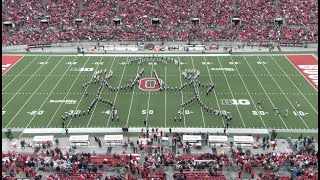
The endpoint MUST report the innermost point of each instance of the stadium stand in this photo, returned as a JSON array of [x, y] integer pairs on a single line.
[[299, 12], [257, 20]]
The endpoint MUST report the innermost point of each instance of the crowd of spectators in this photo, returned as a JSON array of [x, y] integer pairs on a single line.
[[71, 164], [174, 15], [299, 12], [98, 12], [256, 12], [215, 12], [24, 14]]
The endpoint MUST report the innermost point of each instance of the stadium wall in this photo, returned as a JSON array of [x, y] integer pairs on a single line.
[[22, 48]]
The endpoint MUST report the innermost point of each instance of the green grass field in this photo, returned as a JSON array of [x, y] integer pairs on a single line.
[[31, 91]]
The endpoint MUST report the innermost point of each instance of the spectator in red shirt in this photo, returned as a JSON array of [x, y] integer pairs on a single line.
[[239, 173]]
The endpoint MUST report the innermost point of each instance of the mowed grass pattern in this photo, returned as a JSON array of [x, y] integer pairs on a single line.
[[270, 79]]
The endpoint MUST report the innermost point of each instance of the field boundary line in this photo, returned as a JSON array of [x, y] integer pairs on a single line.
[[115, 98], [134, 88], [25, 83], [19, 72], [204, 124], [284, 94], [68, 92], [265, 92], [14, 65], [182, 54], [183, 111], [214, 91], [295, 85], [33, 92], [48, 97], [165, 130], [254, 104], [231, 92], [301, 73]]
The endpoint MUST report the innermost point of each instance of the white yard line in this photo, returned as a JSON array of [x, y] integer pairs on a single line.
[[265, 92], [134, 88], [19, 72], [204, 124], [301, 73], [149, 98], [33, 93], [14, 65], [94, 108], [165, 96], [284, 95], [183, 112], [68, 92], [214, 91], [49, 96], [24, 84], [254, 104], [231, 92], [115, 98], [294, 85]]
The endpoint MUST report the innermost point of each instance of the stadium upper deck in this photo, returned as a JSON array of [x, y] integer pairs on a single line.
[[256, 20]]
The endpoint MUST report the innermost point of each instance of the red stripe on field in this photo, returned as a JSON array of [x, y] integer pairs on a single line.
[[8, 62], [307, 66]]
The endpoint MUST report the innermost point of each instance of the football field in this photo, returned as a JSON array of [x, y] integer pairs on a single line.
[[37, 90]]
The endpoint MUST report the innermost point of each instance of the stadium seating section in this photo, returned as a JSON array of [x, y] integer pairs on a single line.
[[257, 20]]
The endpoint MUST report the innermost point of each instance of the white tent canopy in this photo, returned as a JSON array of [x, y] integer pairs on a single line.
[[113, 138], [243, 139], [43, 138], [191, 138], [79, 138], [218, 139]]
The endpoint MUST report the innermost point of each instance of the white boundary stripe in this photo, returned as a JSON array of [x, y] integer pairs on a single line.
[[25, 83], [183, 111], [147, 115], [254, 104], [33, 93], [295, 85], [165, 96], [164, 54], [214, 91], [315, 56], [300, 73], [284, 94], [115, 98], [134, 88], [48, 98], [14, 65], [204, 124], [19, 72], [265, 92], [231, 93], [68, 92]]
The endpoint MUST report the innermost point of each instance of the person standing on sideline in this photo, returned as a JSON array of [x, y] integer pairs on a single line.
[[169, 129]]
